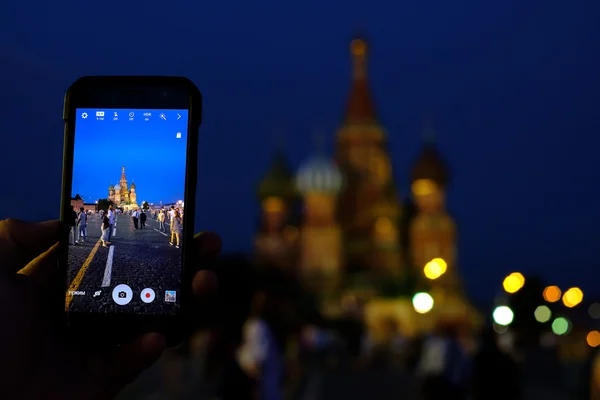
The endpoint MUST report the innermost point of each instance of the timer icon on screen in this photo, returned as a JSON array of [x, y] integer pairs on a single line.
[[148, 295]]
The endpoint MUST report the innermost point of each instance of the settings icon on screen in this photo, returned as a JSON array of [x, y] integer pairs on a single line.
[[84, 115]]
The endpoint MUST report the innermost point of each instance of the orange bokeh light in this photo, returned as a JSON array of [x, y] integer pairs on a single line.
[[552, 294], [593, 339]]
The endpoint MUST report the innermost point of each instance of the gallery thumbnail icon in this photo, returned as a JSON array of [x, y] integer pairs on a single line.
[[170, 296]]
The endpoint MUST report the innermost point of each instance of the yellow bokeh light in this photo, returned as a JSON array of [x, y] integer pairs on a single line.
[[572, 297], [435, 268], [273, 205], [358, 47], [423, 187], [513, 283], [552, 294], [593, 339]]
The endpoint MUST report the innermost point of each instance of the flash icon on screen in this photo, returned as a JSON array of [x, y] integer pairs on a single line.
[[178, 135]]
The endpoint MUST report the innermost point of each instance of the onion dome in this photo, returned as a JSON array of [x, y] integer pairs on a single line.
[[117, 187], [132, 185], [319, 175], [111, 187], [430, 166], [278, 180]]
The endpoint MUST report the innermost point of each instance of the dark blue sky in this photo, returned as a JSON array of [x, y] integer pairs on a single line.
[[513, 88], [153, 156]]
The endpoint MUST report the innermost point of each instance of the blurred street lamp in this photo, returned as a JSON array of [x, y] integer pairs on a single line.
[[513, 282], [435, 268], [552, 294], [503, 315], [572, 297], [422, 302]]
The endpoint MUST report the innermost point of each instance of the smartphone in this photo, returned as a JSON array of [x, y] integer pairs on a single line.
[[129, 185]]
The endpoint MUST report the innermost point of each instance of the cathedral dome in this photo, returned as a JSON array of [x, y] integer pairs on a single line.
[[278, 180], [117, 187], [319, 175], [132, 185], [111, 187], [430, 166]]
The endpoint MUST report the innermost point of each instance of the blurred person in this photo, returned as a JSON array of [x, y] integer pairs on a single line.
[[39, 364], [176, 228], [105, 230], [261, 353], [161, 221], [495, 373], [111, 220], [143, 218], [82, 224], [72, 226], [135, 216], [443, 367]]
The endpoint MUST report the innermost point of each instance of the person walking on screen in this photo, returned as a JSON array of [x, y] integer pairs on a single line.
[[73, 227], [82, 223], [143, 219], [161, 221], [106, 228], [135, 218], [176, 229], [111, 221]]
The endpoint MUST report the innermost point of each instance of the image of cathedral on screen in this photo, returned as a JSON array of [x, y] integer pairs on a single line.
[[340, 225], [122, 196]]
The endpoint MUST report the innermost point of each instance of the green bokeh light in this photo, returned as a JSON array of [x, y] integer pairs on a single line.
[[542, 314], [560, 326]]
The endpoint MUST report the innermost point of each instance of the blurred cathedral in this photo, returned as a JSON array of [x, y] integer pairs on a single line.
[[121, 196], [341, 227]]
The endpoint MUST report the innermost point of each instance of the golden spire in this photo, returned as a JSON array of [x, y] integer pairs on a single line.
[[360, 108]]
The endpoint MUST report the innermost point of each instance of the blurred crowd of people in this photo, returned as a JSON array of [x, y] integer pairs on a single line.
[[265, 343]]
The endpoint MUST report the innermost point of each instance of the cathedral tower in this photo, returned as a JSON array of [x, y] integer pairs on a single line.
[[276, 239], [432, 231], [369, 208], [319, 182]]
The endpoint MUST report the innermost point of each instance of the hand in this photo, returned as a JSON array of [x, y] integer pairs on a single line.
[[34, 364]]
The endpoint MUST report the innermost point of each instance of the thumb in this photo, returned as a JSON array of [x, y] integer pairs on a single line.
[[43, 269]]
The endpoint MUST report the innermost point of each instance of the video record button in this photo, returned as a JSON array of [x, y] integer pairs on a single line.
[[122, 294], [148, 295]]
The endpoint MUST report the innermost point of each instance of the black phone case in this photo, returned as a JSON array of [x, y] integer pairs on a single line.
[[130, 325]]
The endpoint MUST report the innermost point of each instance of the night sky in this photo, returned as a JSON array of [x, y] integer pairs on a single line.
[[513, 90]]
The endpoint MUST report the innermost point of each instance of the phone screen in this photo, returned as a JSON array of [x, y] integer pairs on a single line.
[[126, 224]]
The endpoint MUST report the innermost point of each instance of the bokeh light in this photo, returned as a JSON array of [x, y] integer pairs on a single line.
[[594, 310], [552, 294], [561, 326], [514, 282], [593, 339], [503, 315], [542, 314], [422, 302], [435, 268], [572, 297]]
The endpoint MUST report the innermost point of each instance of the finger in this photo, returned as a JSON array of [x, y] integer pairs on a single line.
[[42, 269], [204, 284], [21, 242], [128, 361], [207, 246]]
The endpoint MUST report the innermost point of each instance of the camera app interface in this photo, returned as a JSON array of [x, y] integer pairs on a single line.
[[126, 215]]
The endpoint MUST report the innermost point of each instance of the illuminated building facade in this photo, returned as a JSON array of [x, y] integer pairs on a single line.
[[340, 225], [121, 195]]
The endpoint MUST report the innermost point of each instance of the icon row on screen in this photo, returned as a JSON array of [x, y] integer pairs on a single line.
[[122, 295]]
